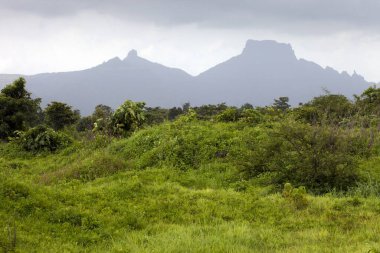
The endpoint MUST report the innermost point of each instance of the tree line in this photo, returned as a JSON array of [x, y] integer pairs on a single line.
[[19, 112]]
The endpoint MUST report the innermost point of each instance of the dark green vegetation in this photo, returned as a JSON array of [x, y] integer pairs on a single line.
[[18, 110], [204, 179]]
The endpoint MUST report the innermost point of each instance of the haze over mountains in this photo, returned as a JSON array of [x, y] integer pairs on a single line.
[[263, 71]]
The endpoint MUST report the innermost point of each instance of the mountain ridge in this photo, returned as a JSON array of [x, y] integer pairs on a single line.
[[263, 71]]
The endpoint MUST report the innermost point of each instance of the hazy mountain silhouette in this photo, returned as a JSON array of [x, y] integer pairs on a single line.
[[265, 70], [111, 83], [5, 78]]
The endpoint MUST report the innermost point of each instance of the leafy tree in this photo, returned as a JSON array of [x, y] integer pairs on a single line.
[[246, 106], [102, 112], [369, 101], [128, 117], [186, 107], [155, 115], [58, 115], [101, 118], [189, 116], [174, 112], [251, 116], [282, 104], [18, 111], [329, 108], [85, 124], [229, 115], [207, 112]]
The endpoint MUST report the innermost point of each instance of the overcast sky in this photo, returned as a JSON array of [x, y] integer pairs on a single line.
[[55, 35]]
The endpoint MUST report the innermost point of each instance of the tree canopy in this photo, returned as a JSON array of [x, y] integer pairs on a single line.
[[18, 110], [58, 115], [128, 117]]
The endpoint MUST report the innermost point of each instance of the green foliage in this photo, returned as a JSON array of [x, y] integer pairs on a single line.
[[128, 117], [155, 115], [102, 112], [228, 115], [368, 103], [187, 145], [328, 109], [319, 157], [18, 110], [200, 184], [297, 196], [8, 238], [58, 115], [85, 124], [14, 190], [281, 104], [207, 112], [174, 112], [251, 116], [190, 116], [246, 106], [99, 121], [181, 181], [41, 138], [96, 166]]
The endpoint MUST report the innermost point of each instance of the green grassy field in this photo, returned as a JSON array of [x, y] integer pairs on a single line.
[[176, 187]]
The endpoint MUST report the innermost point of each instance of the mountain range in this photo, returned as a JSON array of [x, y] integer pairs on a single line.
[[263, 71]]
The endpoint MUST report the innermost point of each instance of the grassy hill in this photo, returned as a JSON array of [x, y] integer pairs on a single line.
[[178, 187]]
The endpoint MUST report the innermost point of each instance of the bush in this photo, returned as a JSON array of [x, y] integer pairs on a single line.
[[229, 115], [128, 117], [180, 144], [251, 116], [190, 116], [297, 196], [41, 138], [319, 157]]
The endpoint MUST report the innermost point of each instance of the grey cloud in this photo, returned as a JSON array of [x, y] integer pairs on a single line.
[[317, 15]]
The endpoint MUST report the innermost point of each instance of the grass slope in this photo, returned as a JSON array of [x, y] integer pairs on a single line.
[[171, 188]]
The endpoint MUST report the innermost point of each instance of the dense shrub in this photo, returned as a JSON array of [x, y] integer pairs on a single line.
[[190, 116], [329, 108], [41, 138], [128, 117], [228, 115], [85, 124], [251, 116], [296, 196], [180, 144], [318, 157]]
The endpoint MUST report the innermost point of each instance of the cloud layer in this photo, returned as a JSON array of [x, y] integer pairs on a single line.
[[304, 15]]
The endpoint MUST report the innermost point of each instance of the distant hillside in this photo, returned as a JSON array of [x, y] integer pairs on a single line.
[[5, 78], [111, 83], [264, 70], [268, 69]]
